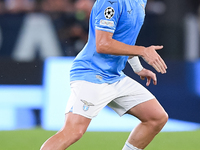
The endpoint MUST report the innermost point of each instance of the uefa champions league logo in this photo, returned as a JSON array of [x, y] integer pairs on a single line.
[[86, 105], [109, 12]]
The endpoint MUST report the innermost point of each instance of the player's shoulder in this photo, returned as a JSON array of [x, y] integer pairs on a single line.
[[102, 4]]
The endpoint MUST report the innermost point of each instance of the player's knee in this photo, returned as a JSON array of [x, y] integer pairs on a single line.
[[159, 121], [163, 119], [78, 134], [71, 136]]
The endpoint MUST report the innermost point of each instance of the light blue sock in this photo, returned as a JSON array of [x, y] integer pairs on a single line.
[[128, 146]]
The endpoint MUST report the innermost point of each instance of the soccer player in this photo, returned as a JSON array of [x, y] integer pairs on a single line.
[[97, 79]]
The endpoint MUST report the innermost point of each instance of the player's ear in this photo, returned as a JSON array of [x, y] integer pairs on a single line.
[[103, 39]]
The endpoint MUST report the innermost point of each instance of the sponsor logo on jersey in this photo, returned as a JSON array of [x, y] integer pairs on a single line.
[[86, 105], [107, 23], [109, 12]]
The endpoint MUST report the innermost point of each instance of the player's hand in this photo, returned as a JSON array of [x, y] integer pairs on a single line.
[[144, 73], [154, 59]]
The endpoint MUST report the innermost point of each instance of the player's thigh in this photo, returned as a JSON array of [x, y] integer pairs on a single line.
[[76, 122], [149, 110]]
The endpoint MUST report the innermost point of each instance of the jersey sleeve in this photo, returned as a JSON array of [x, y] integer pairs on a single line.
[[107, 15]]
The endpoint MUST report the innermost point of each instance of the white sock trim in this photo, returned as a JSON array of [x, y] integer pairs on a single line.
[[129, 146]]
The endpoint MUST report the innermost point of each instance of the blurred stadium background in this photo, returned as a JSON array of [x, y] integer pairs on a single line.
[[40, 38]]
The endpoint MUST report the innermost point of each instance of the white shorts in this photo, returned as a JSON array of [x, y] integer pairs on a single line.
[[87, 98]]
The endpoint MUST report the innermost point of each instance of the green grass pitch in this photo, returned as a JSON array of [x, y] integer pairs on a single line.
[[33, 139]]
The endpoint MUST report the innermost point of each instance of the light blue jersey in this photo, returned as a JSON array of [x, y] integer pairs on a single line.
[[124, 18]]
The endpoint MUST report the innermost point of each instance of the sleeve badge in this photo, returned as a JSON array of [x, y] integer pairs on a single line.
[[109, 12]]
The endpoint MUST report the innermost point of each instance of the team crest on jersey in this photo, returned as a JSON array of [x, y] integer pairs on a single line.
[[109, 12], [86, 105]]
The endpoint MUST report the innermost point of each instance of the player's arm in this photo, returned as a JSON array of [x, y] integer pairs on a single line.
[[135, 63], [107, 45]]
